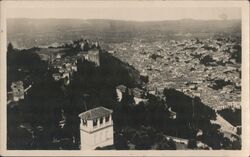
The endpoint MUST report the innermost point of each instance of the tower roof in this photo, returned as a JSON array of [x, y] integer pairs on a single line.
[[17, 84], [95, 113], [122, 88]]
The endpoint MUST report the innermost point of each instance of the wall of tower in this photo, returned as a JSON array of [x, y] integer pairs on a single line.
[[99, 138], [99, 135]]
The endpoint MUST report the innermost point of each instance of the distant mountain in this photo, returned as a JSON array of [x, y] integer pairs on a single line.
[[25, 33]]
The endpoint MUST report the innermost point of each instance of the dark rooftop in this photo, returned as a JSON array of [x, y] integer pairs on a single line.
[[95, 113]]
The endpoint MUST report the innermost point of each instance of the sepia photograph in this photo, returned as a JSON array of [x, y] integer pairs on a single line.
[[128, 75]]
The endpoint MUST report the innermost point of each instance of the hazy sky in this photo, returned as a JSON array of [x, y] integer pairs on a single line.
[[139, 11]]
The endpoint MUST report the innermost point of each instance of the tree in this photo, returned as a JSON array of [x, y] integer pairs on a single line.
[[191, 113], [226, 143], [239, 130], [86, 46], [10, 47], [233, 116], [172, 145], [164, 144], [212, 137], [127, 99], [141, 140], [121, 142], [236, 145], [192, 144], [207, 60]]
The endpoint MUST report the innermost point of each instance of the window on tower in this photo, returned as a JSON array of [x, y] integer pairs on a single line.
[[107, 118], [101, 120], [95, 122], [84, 122]]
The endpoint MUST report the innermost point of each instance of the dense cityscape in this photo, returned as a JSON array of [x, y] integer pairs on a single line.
[[88, 93], [195, 67]]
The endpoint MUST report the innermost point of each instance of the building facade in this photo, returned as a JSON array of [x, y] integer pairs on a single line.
[[91, 56], [17, 90], [96, 128]]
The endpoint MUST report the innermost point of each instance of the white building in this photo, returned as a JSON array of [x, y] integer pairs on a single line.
[[17, 90], [120, 90], [139, 96], [96, 128]]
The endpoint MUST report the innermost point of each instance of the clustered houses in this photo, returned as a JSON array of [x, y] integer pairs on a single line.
[[177, 64], [232, 104], [87, 50], [63, 68], [138, 94], [84, 45]]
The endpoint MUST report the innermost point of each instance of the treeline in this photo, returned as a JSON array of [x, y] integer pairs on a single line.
[[193, 116], [24, 65], [33, 112], [140, 124], [233, 116]]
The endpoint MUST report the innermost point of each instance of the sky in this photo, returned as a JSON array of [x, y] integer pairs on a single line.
[[135, 11]]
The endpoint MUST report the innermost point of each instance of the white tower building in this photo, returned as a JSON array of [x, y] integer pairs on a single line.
[[96, 128]]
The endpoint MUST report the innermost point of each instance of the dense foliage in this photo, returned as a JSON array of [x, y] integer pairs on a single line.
[[233, 116], [45, 101]]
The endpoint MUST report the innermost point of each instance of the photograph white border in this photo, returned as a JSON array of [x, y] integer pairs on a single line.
[[244, 5]]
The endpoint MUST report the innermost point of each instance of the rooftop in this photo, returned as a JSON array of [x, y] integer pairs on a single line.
[[122, 88], [95, 113], [17, 84]]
